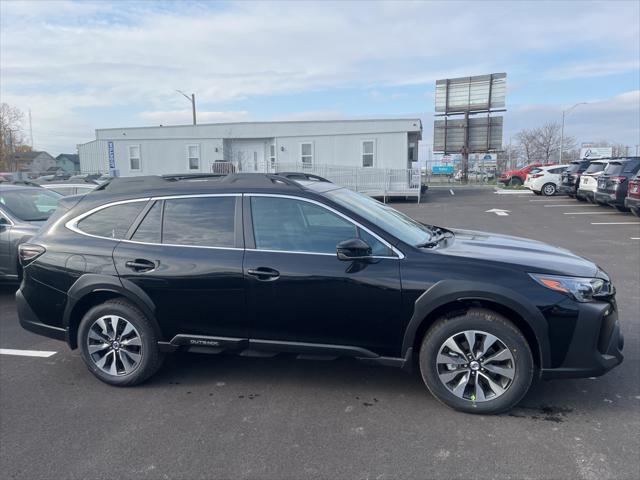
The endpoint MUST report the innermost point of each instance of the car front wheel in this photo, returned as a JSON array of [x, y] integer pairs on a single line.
[[477, 362], [118, 343], [516, 181]]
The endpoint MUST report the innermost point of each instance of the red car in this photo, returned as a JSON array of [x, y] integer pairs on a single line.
[[632, 201], [517, 177]]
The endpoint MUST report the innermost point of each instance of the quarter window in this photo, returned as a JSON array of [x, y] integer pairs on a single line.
[[306, 154], [204, 221], [368, 153], [134, 158], [111, 222], [193, 157], [149, 230]]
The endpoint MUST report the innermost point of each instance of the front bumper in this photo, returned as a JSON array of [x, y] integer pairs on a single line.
[[596, 345], [29, 320]]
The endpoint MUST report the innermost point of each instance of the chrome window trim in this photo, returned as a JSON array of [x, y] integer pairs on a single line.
[[398, 252], [73, 223], [178, 245]]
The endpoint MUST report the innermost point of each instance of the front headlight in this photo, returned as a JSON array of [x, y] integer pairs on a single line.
[[579, 288]]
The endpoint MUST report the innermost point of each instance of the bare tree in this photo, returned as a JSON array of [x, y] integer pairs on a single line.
[[11, 133], [526, 144]]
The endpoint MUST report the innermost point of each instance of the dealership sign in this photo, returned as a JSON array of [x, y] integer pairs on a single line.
[[592, 153]]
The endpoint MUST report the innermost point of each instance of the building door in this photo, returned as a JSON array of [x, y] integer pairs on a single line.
[[249, 155]]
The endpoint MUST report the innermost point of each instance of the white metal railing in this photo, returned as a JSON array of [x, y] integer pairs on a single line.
[[377, 182]]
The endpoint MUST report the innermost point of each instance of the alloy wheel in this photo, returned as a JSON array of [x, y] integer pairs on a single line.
[[114, 345], [549, 189], [475, 366]]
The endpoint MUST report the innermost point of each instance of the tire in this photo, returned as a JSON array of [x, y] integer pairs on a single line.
[[516, 181], [549, 189], [509, 343], [635, 211], [621, 208], [135, 345]]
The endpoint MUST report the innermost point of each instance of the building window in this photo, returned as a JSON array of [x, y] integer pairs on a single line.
[[193, 157], [368, 153], [306, 154], [134, 158]]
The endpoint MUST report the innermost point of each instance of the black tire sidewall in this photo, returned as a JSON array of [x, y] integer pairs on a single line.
[[490, 323], [151, 356]]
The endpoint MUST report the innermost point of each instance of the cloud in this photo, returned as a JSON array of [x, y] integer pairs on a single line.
[[64, 59], [598, 68], [177, 117]]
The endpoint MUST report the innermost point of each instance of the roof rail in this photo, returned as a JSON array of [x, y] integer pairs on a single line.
[[303, 176]]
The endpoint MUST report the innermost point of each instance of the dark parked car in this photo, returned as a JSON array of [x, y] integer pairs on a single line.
[[265, 263], [632, 201], [571, 177], [613, 184], [23, 210]]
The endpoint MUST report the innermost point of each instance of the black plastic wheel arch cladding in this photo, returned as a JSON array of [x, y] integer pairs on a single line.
[[451, 291]]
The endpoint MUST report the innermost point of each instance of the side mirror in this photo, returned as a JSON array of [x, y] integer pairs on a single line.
[[353, 249]]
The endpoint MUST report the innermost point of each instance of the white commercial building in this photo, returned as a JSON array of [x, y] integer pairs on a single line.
[[358, 153]]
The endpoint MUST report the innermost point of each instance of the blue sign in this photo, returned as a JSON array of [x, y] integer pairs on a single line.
[[442, 170], [112, 159]]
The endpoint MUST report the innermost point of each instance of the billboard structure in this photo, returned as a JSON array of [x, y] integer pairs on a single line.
[[467, 96]]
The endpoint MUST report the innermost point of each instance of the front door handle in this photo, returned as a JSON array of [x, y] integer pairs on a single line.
[[140, 265], [264, 274]]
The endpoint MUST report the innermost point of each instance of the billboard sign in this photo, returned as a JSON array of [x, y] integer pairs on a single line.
[[593, 153], [468, 94], [485, 135], [112, 159]]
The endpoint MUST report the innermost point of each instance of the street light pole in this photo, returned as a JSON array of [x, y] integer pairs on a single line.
[[562, 128], [192, 99]]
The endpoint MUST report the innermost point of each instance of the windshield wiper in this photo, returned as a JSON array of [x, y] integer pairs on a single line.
[[438, 235]]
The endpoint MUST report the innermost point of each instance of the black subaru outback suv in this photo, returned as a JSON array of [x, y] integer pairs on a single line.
[[250, 262]]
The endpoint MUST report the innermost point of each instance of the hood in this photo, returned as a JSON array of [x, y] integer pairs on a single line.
[[534, 256]]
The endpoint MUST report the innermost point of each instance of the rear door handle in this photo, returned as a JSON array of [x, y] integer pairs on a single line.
[[140, 265], [264, 274]]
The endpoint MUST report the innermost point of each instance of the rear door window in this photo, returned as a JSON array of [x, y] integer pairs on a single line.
[[202, 222], [111, 222], [595, 167]]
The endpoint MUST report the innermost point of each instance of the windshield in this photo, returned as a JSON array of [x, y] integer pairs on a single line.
[[390, 220], [29, 205], [614, 168], [595, 167]]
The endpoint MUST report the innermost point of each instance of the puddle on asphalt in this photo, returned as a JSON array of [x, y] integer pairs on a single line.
[[547, 413]]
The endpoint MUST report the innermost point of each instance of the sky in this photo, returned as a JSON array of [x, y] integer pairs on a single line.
[[82, 65]]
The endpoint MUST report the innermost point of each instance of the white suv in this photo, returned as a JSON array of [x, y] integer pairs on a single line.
[[545, 180], [589, 180]]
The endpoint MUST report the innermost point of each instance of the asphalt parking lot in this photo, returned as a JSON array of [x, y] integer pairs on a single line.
[[206, 416]]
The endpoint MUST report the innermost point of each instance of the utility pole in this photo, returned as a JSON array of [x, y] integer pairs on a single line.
[[192, 99], [562, 128]]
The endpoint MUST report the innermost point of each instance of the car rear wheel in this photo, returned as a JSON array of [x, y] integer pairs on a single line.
[[549, 189], [477, 362], [119, 343]]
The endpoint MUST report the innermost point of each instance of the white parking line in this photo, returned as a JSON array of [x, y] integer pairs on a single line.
[[550, 200], [615, 223], [635, 238], [451, 191], [570, 205], [26, 353], [592, 213]]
